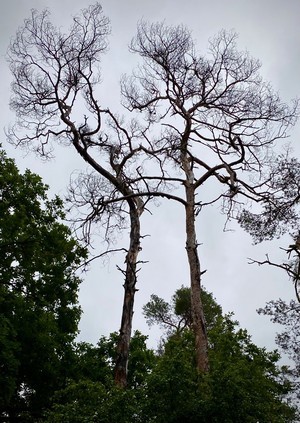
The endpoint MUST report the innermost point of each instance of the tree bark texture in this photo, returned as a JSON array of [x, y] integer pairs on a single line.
[[123, 346], [136, 208], [198, 320]]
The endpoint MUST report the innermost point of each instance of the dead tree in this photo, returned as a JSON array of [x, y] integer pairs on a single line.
[[54, 80], [218, 122]]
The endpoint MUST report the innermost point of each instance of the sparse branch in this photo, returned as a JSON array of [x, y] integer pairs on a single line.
[[217, 119], [101, 255], [51, 68], [150, 194], [292, 269]]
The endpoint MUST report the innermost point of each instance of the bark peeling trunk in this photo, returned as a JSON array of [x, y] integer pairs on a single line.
[[198, 320], [123, 346], [136, 208]]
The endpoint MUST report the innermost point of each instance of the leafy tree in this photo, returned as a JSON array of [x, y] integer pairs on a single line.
[[38, 293], [287, 314], [91, 395], [176, 316], [244, 383], [247, 385], [89, 402], [281, 213], [96, 363]]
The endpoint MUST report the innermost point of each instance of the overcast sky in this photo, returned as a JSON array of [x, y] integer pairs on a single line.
[[269, 30]]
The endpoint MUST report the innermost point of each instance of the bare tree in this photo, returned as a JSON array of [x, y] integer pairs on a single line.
[[54, 80], [217, 121]]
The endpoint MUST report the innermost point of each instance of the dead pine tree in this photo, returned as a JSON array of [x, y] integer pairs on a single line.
[[217, 122], [55, 75]]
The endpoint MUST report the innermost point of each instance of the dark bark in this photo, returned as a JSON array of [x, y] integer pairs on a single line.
[[123, 346], [136, 207], [198, 320]]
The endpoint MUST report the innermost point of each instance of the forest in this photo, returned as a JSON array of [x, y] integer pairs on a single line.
[[196, 130]]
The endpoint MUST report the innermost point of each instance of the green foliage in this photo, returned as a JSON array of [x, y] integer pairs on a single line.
[[173, 388], [141, 361], [177, 315], [38, 293], [244, 379], [244, 383], [287, 314], [92, 396], [96, 363], [45, 376], [280, 211], [88, 401], [158, 311], [182, 305]]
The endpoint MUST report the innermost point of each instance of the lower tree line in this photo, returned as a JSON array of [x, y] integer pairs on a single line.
[[46, 376]]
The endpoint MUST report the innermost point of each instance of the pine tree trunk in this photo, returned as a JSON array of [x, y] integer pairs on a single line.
[[136, 208], [120, 371], [198, 321]]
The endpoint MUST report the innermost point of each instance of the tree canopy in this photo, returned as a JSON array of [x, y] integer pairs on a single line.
[[244, 384], [38, 292]]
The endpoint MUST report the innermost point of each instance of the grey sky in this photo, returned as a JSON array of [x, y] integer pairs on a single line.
[[269, 30]]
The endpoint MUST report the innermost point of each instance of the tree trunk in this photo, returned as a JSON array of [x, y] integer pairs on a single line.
[[120, 371], [136, 208], [198, 320]]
